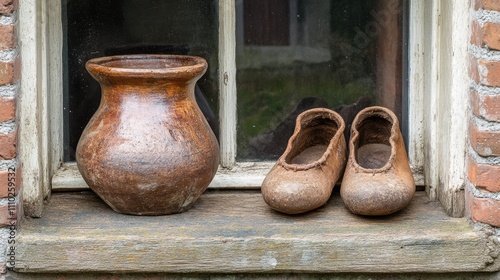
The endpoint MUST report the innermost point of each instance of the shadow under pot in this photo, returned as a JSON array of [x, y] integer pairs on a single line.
[[148, 149]]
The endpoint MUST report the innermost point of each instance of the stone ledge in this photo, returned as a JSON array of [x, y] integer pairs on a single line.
[[235, 232]]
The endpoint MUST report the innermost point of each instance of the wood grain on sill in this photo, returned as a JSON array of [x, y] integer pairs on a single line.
[[235, 232]]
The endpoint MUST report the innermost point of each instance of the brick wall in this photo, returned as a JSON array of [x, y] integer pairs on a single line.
[[483, 190], [9, 74]]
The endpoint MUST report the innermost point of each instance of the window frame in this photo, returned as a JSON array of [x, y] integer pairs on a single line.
[[437, 122]]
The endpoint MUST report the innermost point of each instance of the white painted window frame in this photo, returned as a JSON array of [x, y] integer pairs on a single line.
[[438, 103]]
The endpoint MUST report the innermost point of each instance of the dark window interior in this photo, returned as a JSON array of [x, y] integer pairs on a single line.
[[295, 55], [292, 55], [95, 28]]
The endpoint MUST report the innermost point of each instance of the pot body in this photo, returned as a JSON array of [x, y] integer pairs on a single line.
[[148, 150]]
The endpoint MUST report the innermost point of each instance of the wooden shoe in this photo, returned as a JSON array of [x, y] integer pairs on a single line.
[[304, 176], [377, 178]]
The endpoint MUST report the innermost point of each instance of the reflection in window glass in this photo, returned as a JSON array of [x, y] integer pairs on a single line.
[[95, 28], [293, 55]]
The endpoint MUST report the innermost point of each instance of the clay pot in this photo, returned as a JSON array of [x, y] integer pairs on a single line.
[[148, 150], [304, 176], [377, 179]]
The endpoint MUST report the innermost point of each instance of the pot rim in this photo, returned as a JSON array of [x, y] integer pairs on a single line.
[[174, 64]]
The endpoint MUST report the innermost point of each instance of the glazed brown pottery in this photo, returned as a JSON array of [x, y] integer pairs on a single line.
[[148, 150], [304, 176], [377, 179]]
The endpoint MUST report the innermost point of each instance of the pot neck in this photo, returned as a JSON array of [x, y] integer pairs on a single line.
[[158, 92]]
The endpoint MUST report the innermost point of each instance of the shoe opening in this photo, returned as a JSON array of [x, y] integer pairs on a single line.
[[312, 141], [373, 148]]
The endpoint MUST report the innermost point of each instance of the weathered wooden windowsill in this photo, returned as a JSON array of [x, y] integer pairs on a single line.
[[235, 232]]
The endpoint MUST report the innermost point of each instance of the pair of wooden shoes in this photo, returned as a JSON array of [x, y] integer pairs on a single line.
[[377, 179]]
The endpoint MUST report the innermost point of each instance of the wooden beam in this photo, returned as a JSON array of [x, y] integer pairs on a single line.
[[227, 82], [32, 109], [54, 77], [235, 232], [416, 90], [453, 106]]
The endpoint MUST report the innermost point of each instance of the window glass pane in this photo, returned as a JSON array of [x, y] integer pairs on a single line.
[[293, 55], [95, 28]]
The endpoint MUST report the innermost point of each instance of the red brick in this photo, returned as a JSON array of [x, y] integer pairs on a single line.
[[7, 37], [476, 102], [8, 6], [491, 35], [476, 37], [487, 5], [484, 176], [4, 183], [485, 143], [487, 35], [7, 108], [476, 4], [486, 106], [9, 72], [485, 72], [484, 210], [8, 143], [473, 72]]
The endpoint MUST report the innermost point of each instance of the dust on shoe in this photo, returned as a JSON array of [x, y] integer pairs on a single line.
[[304, 176], [378, 178]]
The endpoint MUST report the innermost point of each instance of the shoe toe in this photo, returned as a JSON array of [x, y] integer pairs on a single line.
[[295, 194], [375, 198]]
